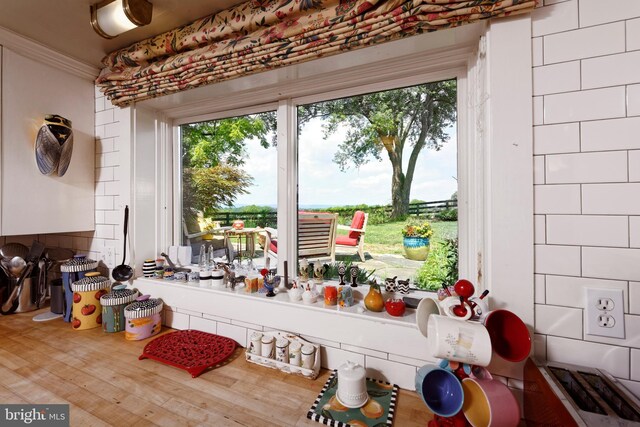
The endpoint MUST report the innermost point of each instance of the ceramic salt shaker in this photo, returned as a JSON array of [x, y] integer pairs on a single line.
[[308, 356], [267, 346], [282, 350], [352, 385], [255, 347], [295, 353]]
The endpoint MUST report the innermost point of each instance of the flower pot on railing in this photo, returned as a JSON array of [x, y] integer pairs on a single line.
[[416, 248]]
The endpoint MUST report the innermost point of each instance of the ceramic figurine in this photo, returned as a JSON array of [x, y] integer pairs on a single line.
[[318, 272], [342, 270], [353, 272], [374, 301], [295, 293], [403, 286], [303, 271], [309, 296], [270, 282], [390, 284], [345, 296]]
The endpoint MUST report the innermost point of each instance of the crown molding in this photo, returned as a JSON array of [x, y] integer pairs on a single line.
[[41, 53]]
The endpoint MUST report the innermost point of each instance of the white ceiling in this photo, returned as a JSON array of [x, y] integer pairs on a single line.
[[63, 25]]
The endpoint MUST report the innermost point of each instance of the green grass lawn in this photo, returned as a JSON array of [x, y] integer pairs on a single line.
[[387, 238]]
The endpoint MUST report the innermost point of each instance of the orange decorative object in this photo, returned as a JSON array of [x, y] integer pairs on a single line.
[[331, 295], [238, 224], [374, 301]]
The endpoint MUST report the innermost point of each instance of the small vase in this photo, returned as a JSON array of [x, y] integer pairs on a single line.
[[374, 301], [416, 248]]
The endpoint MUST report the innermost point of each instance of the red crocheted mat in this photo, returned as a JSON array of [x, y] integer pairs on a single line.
[[193, 351]]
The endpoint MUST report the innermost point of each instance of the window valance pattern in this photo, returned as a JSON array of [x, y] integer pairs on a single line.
[[259, 35]]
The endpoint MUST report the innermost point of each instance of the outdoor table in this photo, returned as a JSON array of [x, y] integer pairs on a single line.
[[245, 234]]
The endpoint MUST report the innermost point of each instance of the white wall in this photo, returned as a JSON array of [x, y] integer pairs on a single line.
[[108, 209], [586, 75]]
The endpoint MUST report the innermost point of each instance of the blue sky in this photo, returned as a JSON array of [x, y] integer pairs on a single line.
[[322, 183]]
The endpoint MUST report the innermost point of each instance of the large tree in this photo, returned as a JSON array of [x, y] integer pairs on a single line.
[[395, 123], [213, 153]]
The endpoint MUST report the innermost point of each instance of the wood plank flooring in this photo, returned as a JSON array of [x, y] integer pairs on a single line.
[[101, 378]]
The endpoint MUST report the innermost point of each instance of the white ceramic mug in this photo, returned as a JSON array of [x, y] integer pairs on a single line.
[[426, 308], [449, 303], [460, 341]]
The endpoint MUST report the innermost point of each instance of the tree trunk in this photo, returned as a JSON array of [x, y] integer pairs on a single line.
[[400, 186]]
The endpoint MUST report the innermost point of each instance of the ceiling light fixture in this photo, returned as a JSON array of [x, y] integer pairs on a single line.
[[112, 17]]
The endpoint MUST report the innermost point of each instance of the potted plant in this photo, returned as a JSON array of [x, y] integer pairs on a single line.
[[416, 235]]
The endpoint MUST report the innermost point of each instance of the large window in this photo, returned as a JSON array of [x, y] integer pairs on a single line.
[[385, 162], [228, 170], [370, 167]]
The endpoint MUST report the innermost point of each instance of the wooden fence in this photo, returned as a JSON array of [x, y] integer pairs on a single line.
[[268, 218]]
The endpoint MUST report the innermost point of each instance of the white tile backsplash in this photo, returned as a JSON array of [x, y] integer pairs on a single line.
[[540, 229], [553, 259], [611, 263], [595, 104], [592, 12], [538, 169], [555, 139], [237, 333], [563, 77], [633, 100], [611, 70], [540, 291], [558, 321], [633, 34], [556, 199], [634, 165], [204, 325], [610, 166], [615, 134], [536, 51], [332, 357], [403, 375], [569, 291], [554, 19], [588, 230], [634, 297], [634, 231], [611, 199], [611, 358], [584, 43]]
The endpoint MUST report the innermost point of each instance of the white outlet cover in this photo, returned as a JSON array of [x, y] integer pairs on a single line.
[[592, 312]]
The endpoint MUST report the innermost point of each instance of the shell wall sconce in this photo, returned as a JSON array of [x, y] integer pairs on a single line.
[[54, 145]]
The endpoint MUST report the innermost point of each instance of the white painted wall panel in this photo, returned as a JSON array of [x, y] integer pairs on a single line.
[[31, 202]]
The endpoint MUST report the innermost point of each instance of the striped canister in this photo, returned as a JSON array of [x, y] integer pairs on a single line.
[[113, 305], [87, 311], [149, 268], [143, 318]]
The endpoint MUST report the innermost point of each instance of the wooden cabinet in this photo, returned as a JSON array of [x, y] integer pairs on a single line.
[[33, 203]]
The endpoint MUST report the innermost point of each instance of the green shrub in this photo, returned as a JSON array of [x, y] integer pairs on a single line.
[[447, 215], [440, 268]]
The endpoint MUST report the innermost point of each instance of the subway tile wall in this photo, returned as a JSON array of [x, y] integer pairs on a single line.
[[586, 59]]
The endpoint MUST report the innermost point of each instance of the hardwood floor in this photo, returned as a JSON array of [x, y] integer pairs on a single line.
[[100, 376]]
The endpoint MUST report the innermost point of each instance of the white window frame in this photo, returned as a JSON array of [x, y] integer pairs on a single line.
[[494, 118]]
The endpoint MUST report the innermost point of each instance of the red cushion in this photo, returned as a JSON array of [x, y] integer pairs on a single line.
[[357, 222], [347, 241], [273, 246]]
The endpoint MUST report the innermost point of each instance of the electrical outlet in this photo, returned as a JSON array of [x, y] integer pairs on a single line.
[[108, 255], [604, 312]]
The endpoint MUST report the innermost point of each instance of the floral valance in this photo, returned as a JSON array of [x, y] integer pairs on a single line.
[[259, 35]]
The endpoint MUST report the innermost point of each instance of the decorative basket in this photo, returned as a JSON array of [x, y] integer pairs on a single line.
[[287, 367]]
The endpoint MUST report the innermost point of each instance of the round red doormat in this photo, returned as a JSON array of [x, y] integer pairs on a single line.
[[193, 351]]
